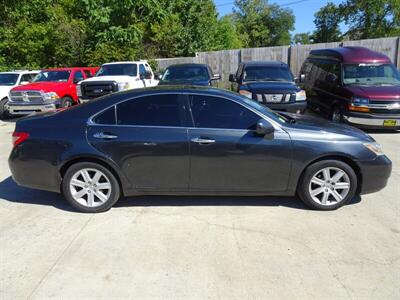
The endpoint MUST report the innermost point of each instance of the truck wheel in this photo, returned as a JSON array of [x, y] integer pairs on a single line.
[[66, 102], [3, 112], [337, 114], [327, 185], [90, 187]]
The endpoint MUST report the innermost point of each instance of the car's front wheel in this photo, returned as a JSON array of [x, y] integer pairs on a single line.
[[327, 185], [90, 187], [3, 111]]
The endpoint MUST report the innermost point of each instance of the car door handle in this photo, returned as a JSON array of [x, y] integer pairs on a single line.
[[104, 136], [202, 141]]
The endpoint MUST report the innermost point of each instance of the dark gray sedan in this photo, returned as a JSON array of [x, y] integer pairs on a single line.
[[198, 141]]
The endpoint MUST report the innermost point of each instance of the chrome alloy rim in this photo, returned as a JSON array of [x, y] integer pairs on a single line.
[[90, 187], [329, 186], [336, 116]]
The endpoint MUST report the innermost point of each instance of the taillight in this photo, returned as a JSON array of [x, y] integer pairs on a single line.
[[19, 137]]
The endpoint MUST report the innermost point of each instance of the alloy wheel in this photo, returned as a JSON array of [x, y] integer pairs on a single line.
[[90, 187], [329, 186], [336, 115]]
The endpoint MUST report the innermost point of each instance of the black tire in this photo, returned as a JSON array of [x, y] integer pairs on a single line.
[[66, 102], [3, 112], [337, 114], [115, 193], [304, 184]]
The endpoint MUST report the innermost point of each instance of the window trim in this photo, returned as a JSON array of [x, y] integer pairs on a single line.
[[275, 124]]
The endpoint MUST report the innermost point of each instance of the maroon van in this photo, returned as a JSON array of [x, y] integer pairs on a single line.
[[354, 85]]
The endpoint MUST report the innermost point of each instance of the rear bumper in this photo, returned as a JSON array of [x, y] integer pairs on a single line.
[[290, 107], [26, 109], [373, 121], [375, 174]]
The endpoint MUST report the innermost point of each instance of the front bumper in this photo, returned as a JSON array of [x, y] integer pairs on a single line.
[[373, 121], [26, 109], [290, 107], [375, 174]]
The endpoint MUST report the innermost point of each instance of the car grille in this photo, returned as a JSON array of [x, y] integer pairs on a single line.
[[34, 97], [389, 107], [273, 98], [91, 90]]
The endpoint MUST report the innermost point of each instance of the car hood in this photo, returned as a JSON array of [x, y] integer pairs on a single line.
[[271, 86], [185, 82], [42, 86], [121, 78], [383, 92], [326, 129]]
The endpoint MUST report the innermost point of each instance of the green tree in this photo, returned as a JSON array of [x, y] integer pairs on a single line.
[[226, 36], [327, 21], [371, 18], [302, 38], [261, 24]]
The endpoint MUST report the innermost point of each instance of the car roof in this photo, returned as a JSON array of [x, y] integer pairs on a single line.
[[126, 62], [264, 63], [185, 65], [351, 55], [21, 72]]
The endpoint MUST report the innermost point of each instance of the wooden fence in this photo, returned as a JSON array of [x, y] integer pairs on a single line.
[[226, 61]]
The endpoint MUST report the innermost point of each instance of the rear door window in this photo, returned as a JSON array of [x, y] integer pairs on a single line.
[[153, 110], [216, 112], [106, 117]]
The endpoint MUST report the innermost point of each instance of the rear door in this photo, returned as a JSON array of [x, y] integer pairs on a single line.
[[227, 154], [147, 138]]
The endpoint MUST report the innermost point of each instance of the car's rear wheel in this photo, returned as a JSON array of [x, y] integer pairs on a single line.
[[90, 187], [3, 111], [327, 185]]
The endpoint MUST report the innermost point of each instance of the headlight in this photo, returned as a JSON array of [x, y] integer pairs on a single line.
[[246, 93], [79, 90], [374, 147], [301, 96], [359, 104], [122, 86], [50, 96]]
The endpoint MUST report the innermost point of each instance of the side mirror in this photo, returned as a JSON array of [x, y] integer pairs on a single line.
[[24, 82], [76, 80], [232, 77], [148, 75], [142, 76], [301, 78], [216, 77], [263, 127], [159, 76]]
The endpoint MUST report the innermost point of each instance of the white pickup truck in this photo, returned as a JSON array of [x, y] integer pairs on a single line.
[[9, 80], [115, 77]]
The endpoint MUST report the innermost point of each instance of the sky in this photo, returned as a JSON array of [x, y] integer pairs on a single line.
[[304, 10]]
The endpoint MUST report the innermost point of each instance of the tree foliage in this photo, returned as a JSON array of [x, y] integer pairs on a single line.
[[327, 21]]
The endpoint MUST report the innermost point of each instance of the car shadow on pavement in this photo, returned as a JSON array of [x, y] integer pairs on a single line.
[[10, 191]]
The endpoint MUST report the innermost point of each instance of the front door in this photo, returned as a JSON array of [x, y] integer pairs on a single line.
[[227, 154], [147, 139]]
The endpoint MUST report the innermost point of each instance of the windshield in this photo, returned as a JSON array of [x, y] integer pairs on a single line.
[[267, 73], [371, 74], [118, 70], [8, 79], [186, 73], [57, 76]]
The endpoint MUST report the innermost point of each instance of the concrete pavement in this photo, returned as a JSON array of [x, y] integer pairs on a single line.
[[199, 247]]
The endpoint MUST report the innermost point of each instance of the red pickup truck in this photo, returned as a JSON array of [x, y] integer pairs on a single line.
[[51, 89]]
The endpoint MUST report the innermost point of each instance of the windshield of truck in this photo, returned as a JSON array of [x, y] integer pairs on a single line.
[[118, 70], [199, 73], [8, 79], [57, 76], [370, 74], [267, 73]]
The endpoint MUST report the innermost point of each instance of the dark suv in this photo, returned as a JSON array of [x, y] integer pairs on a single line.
[[271, 83], [189, 74], [354, 85]]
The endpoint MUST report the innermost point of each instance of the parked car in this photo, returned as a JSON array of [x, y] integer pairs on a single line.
[[270, 83], [116, 77], [51, 89], [9, 80], [354, 85], [189, 74], [199, 141]]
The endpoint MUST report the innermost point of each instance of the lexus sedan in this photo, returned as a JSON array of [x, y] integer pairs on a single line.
[[192, 140]]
